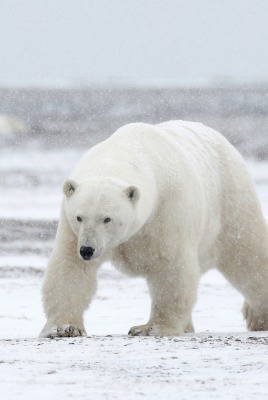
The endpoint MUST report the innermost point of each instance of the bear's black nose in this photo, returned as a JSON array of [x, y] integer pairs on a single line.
[[86, 252]]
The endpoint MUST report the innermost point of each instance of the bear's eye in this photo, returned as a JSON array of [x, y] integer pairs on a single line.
[[79, 219], [106, 220]]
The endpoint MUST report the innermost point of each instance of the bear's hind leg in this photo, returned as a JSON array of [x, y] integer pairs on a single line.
[[255, 321], [189, 328], [244, 263]]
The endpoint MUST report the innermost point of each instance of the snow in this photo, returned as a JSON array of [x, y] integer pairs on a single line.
[[222, 360], [119, 367]]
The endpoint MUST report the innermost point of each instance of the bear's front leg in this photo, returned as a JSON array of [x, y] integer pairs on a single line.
[[173, 289], [256, 320], [67, 291], [68, 288]]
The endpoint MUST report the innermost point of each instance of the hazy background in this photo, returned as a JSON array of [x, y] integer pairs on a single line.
[[72, 72], [145, 42]]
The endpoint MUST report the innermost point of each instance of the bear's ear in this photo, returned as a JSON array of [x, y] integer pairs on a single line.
[[132, 193], [69, 187]]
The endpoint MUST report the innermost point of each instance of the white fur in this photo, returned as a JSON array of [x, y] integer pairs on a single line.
[[194, 206]]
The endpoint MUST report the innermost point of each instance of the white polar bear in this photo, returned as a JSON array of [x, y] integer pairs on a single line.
[[165, 202]]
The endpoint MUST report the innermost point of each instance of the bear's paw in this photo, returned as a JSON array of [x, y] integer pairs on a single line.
[[63, 331], [155, 330], [256, 321]]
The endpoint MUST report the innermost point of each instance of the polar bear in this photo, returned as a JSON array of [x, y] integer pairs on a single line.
[[165, 202]]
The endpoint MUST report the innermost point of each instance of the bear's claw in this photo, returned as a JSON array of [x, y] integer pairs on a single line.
[[142, 330], [160, 330], [62, 331]]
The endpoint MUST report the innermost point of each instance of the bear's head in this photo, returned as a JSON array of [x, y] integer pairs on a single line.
[[102, 212]]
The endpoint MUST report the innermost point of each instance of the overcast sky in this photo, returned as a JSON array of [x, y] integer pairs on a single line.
[[64, 42]]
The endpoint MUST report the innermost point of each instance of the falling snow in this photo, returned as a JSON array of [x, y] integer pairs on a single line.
[[221, 360]]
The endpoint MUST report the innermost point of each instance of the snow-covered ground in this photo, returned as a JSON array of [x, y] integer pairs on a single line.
[[220, 361]]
